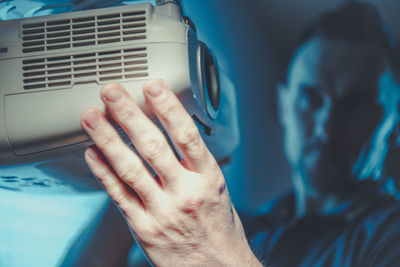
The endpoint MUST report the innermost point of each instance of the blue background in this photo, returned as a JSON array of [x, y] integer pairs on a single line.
[[253, 41]]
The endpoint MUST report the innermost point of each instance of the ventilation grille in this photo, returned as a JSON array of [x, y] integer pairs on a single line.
[[100, 67], [83, 31]]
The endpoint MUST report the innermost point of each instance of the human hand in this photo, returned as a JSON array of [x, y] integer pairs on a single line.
[[185, 218]]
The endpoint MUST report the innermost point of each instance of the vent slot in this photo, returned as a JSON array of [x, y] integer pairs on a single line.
[[132, 38], [136, 75], [84, 19], [85, 61], [83, 37], [58, 71], [34, 31], [59, 84], [133, 13], [56, 65], [59, 77], [33, 25], [135, 56], [135, 62], [84, 55], [61, 40], [32, 61], [106, 41], [110, 65], [110, 72], [134, 31], [59, 58], [53, 47], [84, 44], [58, 22], [34, 49], [108, 34], [58, 34], [86, 31], [64, 71], [109, 16], [37, 73], [33, 37], [109, 28], [108, 22], [83, 31], [133, 19], [111, 78], [83, 25], [34, 67], [34, 80], [85, 68], [85, 74], [58, 29], [26, 44], [109, 59], [137, 25]]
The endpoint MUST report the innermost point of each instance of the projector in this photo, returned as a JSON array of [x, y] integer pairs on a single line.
[[52, 68]]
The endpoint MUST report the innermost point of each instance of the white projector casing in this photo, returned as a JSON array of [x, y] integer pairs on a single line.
[[52, 69]]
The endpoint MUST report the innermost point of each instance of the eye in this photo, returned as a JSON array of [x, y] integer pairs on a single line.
[[363, 102], [309, 98]]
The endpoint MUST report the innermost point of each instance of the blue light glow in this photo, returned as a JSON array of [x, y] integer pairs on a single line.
[[36, 230]]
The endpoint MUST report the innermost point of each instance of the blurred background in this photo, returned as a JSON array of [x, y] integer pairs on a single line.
[[254, 41]]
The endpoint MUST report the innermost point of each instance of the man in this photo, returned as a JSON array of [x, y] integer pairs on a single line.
[[336, 111]]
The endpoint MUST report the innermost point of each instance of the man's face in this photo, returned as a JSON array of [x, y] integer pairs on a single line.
[[331, 108]]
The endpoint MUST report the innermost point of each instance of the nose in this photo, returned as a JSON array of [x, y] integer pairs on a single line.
[[323, 121]]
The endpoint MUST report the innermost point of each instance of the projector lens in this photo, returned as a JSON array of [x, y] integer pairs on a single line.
[[209, 80]]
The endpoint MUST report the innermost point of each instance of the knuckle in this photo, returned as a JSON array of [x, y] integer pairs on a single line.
[[123, 203], [214, 169], [144, 234], [130, 172], [106, 140], [102, 175], [126, 113], [189, 137], [192, 204], [168, 220], [168, 107], [144, 231], [153, 147], [118, 197]]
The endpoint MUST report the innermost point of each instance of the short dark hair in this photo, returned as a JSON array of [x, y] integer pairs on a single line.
[[358, 22]]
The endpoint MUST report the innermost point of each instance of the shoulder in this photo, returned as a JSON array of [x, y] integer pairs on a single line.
[[265, 223], [270, 215], [379, 211], [375, 236]]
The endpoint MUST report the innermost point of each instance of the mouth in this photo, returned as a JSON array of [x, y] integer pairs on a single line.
[[331, 155]]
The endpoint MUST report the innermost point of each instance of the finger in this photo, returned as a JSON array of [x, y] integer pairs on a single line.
[[179, 125], [126, 164], [123, 196], [145, 136]]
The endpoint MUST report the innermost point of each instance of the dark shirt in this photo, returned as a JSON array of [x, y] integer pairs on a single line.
[[365, 231]]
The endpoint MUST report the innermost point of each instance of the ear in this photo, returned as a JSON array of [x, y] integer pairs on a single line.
[[283, 99]]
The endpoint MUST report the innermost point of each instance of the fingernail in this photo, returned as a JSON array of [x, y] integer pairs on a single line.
[[92, 120], [113, 95], [90, 153], [154, 90]]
